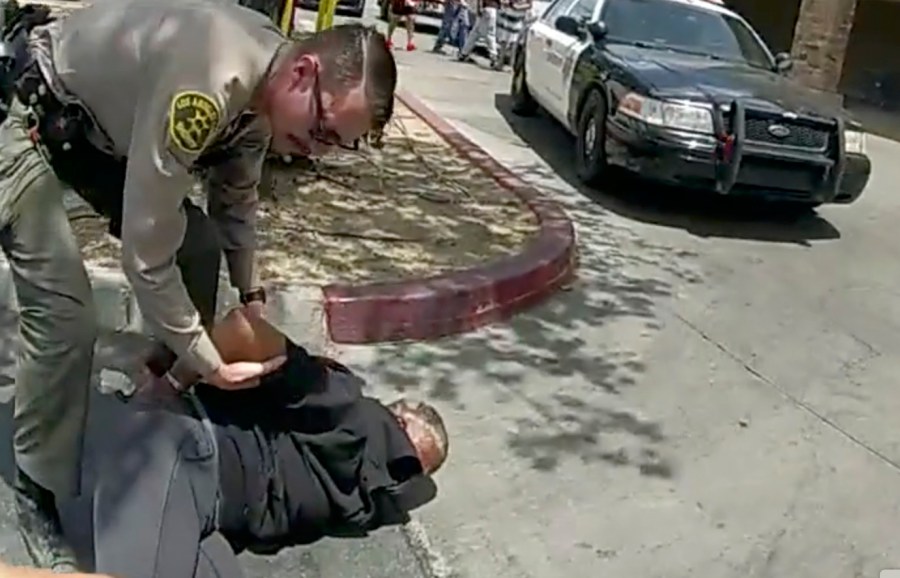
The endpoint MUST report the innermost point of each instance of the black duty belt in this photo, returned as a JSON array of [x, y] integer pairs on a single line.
[[62, 129]]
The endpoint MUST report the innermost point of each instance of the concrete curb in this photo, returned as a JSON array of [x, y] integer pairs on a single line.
[[459, 301], [419, 309], [296, 310]]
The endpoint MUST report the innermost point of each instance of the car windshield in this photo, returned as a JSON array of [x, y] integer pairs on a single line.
[[685, 28]]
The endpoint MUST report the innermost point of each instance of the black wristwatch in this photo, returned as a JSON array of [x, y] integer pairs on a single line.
[[255, 294]]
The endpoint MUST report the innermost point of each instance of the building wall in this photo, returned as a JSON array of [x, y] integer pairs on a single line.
[[774, 20], [871, 54]]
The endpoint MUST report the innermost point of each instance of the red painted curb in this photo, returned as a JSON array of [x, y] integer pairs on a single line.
[[461, 300]]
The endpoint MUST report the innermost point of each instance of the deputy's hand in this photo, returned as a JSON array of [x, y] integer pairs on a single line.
[[255, 309], [243, 374], [153, 389]]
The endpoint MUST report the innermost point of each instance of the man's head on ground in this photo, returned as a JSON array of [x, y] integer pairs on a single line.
[[425, 429], [329, 89]]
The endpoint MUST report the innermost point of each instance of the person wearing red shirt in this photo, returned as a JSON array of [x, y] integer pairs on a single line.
[[403, 10]]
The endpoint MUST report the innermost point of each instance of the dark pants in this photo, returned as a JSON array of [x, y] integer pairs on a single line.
[[156, 499], [454, 27]]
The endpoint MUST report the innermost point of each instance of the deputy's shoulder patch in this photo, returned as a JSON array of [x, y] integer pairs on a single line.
[[193, 116]]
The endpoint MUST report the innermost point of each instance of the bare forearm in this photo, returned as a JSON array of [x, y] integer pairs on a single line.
[[246, 338], [239, 337]]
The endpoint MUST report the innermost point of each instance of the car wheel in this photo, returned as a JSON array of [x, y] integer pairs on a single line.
[[522, 102], [590, 141]]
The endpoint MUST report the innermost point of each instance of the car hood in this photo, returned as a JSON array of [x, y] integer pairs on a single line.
[[687, 76]]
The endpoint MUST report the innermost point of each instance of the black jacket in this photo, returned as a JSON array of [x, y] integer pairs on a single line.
[[306, 455]]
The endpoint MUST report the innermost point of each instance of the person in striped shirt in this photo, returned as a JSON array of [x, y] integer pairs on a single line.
[[510, 20]]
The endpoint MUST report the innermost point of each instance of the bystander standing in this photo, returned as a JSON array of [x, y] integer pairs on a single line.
[[403, 10], [485, 29], [454, 26], [510, 20]]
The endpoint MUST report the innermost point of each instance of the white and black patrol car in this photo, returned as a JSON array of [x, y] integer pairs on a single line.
[[685, 92]]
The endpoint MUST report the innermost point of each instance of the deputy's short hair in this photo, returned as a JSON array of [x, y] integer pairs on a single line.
[[352, 54]]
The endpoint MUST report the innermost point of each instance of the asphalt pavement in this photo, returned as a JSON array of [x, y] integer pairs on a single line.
[[714, 396]]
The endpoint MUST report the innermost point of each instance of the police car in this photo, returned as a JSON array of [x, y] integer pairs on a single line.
[[685, 92]]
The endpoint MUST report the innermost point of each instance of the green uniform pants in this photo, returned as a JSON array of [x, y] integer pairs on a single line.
[[57, 322]]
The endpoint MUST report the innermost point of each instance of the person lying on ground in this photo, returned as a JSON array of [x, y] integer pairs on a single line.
[[200, 476]]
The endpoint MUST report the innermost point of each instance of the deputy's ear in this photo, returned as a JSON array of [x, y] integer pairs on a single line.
[[303, 72]]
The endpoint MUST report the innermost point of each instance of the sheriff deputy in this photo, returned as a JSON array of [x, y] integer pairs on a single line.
[[127, 102]]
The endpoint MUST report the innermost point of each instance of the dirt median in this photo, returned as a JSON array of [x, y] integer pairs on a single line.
[[413, 209]]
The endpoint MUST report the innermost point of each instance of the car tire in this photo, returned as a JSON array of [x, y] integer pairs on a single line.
[[523, 104], [590, 140]]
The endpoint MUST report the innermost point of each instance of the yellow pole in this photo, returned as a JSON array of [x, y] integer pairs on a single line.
[[332, 6], [325, 16], [287, 17]]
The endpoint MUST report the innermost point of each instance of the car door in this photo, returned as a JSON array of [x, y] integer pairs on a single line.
[[561, 54], [537, 41]]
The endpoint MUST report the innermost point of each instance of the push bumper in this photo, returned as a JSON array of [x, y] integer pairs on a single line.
[[731, 165]]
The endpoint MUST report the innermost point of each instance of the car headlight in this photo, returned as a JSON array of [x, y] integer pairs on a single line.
[[854, 142], [681, 116]]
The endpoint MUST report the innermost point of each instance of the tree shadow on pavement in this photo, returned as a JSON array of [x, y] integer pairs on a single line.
[[551, 376], [701, 214]]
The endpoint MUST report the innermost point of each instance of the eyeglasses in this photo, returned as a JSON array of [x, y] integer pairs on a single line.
[[321, 134]]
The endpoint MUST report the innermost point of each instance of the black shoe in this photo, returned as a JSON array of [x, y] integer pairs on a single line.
[[40, 527]]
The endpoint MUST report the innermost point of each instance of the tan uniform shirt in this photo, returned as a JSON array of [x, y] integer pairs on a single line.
[[166, 80]]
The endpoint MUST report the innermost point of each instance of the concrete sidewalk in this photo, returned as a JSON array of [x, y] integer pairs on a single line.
[[667, 416]]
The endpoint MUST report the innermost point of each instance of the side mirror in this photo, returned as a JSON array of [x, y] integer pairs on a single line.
[[570, 26], [597, 30], [783, 62]]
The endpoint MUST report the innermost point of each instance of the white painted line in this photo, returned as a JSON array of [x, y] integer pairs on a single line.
[[433, 562]]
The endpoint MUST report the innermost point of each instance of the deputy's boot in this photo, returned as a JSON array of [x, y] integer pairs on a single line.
[[40, 527]]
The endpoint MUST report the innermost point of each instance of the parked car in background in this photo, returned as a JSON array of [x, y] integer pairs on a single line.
[[686, 92], [352, 8]]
